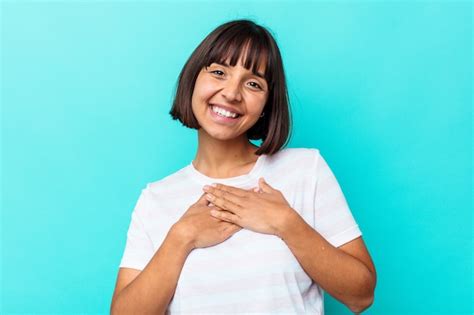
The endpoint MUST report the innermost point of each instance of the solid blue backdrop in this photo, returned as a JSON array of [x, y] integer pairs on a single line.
[[383, 89]]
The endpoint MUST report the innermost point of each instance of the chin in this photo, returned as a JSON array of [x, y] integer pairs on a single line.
[[221, 135]]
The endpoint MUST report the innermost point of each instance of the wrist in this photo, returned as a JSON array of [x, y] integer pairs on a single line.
[[292, 220], [181, 236]]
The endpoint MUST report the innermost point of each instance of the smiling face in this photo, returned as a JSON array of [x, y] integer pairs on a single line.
[[221, 91]]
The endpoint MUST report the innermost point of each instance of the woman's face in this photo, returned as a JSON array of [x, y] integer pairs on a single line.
[[221, 91]]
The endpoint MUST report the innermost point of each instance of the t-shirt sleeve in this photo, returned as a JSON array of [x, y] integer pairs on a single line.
[[139, 247], [332, 217]]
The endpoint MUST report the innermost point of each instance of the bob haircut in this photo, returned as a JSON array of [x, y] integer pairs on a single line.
[[229, 40]]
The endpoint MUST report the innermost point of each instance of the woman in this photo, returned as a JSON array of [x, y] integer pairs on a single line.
[[274, 233]]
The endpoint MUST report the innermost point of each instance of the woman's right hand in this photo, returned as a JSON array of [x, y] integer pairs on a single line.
[[202, 229]]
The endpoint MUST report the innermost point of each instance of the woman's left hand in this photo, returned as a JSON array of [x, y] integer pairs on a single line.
[[263, 210]]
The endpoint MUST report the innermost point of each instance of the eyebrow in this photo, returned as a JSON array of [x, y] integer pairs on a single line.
[[258, 74]]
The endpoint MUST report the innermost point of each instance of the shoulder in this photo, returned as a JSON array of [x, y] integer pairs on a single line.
[[298, 156], [167, 183]]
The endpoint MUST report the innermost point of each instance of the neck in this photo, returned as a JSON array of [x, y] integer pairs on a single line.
[[223, 158]]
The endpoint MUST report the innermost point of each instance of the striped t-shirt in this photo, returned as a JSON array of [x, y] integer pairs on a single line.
[[249, 272]]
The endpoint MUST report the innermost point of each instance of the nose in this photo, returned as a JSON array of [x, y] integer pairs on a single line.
[[231, 91]]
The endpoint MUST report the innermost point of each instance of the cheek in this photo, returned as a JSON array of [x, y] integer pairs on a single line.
[[201, 93], [257, 105], [204, 89]]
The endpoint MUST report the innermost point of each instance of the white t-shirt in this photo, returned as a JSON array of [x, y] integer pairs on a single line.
[[249, 272]]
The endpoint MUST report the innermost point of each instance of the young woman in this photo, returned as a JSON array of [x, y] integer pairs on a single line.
[[276, 230]]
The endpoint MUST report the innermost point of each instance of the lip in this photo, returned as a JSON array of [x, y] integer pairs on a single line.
[[223, 120], [230, 109]]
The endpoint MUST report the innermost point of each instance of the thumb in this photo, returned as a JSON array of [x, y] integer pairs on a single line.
[[203, 200], [256, 189], [264, 185]]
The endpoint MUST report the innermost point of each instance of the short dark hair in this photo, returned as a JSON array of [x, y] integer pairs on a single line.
[[228, 40]]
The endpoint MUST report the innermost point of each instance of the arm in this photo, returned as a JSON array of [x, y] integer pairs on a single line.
[[345, 277], [151, 291]]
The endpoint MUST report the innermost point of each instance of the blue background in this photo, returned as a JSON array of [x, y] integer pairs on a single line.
[[383, 89]]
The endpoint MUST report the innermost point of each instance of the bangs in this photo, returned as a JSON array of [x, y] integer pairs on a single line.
[[234, 43]]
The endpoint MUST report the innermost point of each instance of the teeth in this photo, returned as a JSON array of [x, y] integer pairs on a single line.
[[223, 112]]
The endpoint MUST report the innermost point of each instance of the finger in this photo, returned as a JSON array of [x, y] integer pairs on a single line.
[[225, 216], [225, 199], [221, 201], [214, 206], [264, 186], [231, 189], [257, 190], [226, 192], [202, 200]]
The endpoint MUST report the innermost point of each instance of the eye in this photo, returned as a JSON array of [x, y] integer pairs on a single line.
[[256, 85], [221, 73], [214, 71]]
